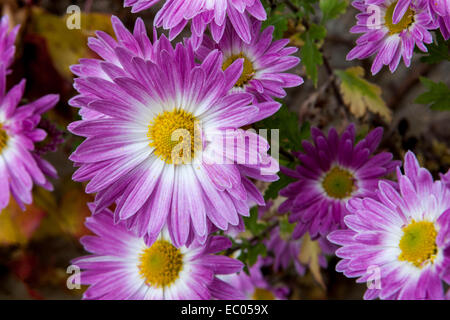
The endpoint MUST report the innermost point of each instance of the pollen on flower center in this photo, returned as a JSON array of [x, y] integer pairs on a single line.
[[338, 183], [247, 73], [3, 138], [418, 243], [262, 294], [161, 264], [404, 23], [174, 136]]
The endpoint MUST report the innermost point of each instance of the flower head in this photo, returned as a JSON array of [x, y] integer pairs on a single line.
[[265, 61], [390, 41], [253, 286], [439, 10], [20, 165], [175, 15], [165, 143], [332, 172], [122, 266], [402, 237]]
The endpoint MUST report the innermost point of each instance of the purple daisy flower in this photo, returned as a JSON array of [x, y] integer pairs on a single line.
[[175, 14], [254, 286], [7, 39], [287, 250], [439, 9], [123, 267], [133, 157], [400, 240], [20, 165], [265, 61], [390, 42], [332, 172]]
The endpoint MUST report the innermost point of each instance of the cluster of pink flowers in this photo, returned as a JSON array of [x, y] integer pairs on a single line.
[[139, 102], [169, 162]]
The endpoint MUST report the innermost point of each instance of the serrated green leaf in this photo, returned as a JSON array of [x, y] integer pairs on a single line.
[[310, 53], [437, 51], [251, 222], [438, 95], [277, 18], [331, 9], [255, 251]]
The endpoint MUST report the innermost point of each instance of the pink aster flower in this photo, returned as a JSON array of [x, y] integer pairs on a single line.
[[7, 39], [123, 267], [133, 155], [399, 243], [389, 41], [265, 61], [287, 250], [175, 14], [20, 165], [439, 9], [332, 172], [254, 286]]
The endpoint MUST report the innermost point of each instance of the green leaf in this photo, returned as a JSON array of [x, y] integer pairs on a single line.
[[438, 95], [276, 18], [305, 7], [255, 251], [252, 224], [310, 53], [331, 9], [291, 134], [437, 51]]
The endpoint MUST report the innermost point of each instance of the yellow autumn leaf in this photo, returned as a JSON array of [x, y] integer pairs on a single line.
[[66, 46], [309, 255], [360, 95]]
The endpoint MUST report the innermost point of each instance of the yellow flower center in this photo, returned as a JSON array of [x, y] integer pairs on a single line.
[[418, 244], [175, 136], [3, 138], [407, 20], [161, 264], [338, 183], [247, 73], [262, 294]]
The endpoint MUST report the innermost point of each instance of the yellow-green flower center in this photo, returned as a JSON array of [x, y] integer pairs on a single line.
[[418, 243], [175, 136], [338, 183], [161, 264], [262, 294], [404, 23], [247, 73], [3, 138]]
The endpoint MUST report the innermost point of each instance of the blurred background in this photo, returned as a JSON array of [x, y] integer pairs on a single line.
[[36, 246]]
